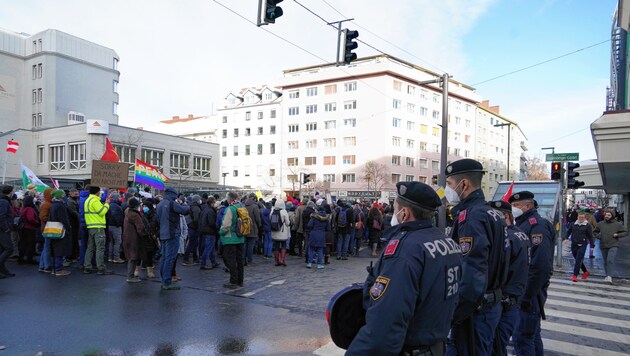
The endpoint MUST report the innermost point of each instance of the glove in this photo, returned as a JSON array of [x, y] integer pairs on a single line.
[[526, 306]]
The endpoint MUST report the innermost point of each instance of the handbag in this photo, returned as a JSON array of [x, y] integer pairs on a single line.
[[54, 230]]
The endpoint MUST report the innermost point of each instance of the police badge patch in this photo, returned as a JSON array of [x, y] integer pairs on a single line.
[[379, 287], [537, 239], [465, 244]]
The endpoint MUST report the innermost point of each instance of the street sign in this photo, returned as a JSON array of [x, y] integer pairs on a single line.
[[562, 157]]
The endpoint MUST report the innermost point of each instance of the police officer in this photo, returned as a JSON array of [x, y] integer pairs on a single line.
[[411, 292], [516, 278], [527, 340], [481, 234]]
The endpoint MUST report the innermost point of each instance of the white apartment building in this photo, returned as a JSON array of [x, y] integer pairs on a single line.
[[202, 128], [44, 77]]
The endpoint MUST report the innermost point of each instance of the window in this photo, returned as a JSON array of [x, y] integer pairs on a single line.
[[435, 148], [423, 93], [235, 150], [294, 111], [311, 126], [350, 122], [246, 170], [310, 161], [292, 161], [77, 155], [330, 124], [57, 154], [457, 152], [40, 155], [395, 178], [224, 119], [396, 160], [311, 91], [409, 178], [224, 134], [350, 86], [294, 94], [330, 107], [248, 131], [34, 96], [293, 145], [329, 178], [223, 151], [457, 136], [311, 109], [272, 129], [350, 105], [260, 115], [411, 125], [37, 120], [259, 149], [396, 104], [349, 159], [350, 141], [235, 132], [272, 148], [247, 150], [435, 131], [396, 122], [423, 146], [259, 131], [127, 154], [397, 85], [311, 143], [409, 162], [423, 111], [330, 142], [248, 115], [201, 167], [34, 71], [235, 173], [436, 98], [411, 108], [422, 163], [330, 160], [458, 120], [424, 129], [272, 113], [294, 128], [396, 141], [467, 107], [292, 177], [272, 172], [411, 90], [435, 115], [458, 105], [40, 95], [410, 143], [467, 123], [435, 165], [268, 96], [422, 179], [153, 157], [466, 138], [348, 178], [466, 153], [330, 89]]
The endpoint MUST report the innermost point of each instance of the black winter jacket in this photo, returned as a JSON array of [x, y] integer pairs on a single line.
[[207, 221], [580, 234]]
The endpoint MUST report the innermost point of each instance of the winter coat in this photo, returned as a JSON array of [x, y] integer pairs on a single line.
[[135, 234], [29, 214], [319, 225], [195, 212], [580, 233], [298, 218], [266, 221], [359, 223], [115, 215], [207, 221], [228, 226], [374, 235], [83, 195], [168, 213], [285, 231], [44, 209], [306, 215], [349, 220], [59, 212], [605, 231], [254, 214], [6, 213]]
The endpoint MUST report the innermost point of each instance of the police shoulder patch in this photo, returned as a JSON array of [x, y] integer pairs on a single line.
[[391, 247], [532, 221], [462, 216], [379, 287], [537, 239], [465, 244]]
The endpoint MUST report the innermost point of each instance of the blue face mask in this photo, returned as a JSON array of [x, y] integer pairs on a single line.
[[145, 209]]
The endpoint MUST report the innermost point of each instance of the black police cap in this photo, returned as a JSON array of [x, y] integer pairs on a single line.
[[345, 315], [501, 205], [524, 195], [465, 165], [419, 194]]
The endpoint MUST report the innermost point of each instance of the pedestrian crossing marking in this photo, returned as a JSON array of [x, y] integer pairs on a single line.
[[587, 318], [591, 283], [576, 349], [577, 288], [590, 332], [588, 307], [590, 298]]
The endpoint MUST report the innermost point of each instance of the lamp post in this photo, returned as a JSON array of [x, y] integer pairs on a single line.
[[224, 174], [509, 125]]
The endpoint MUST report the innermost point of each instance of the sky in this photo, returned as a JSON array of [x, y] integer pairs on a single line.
[[184, 57]]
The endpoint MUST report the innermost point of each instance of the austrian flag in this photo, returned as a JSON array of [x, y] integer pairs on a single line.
[[12, 146]]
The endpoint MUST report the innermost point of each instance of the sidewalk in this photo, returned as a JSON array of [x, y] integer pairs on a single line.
[[596, 265]]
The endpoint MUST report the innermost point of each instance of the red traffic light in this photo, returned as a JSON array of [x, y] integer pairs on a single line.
[[556, 170]]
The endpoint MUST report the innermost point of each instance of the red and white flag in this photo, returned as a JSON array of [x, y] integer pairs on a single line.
[[54, 182], [508, 194], [12, 146]]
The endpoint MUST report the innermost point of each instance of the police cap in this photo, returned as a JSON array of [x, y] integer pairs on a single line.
[[501, 205], [524, 195], [345, 315], [465, 165], [419, 194]]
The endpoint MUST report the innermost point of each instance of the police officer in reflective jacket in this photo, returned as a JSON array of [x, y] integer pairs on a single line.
[[527, 340], [516, 279], [481, 233], [411, 292]]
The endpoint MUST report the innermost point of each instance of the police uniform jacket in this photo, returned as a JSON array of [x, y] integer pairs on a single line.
[[480, 231], [411, 292], [541, 234], [520, 247]]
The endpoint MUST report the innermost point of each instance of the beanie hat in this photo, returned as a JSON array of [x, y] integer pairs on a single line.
[[58, 193], [133, 203], [94, 189], [115, 196]]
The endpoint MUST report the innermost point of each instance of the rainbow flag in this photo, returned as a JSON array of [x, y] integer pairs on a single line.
[[147, 174]]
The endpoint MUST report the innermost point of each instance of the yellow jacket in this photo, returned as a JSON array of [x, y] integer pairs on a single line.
[[95, 212]]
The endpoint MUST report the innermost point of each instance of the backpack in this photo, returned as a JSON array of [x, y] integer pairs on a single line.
[[243, 222], [358, 225], [342, 218], [276, 220]]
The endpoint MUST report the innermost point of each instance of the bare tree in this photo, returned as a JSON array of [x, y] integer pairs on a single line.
[[537, 170], [375, 174]]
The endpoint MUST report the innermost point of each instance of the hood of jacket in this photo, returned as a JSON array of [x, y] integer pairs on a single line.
[[320, 215], [84, 194], [29, 201], [249, 202], [48, 194], [170, 193], [280, 205]]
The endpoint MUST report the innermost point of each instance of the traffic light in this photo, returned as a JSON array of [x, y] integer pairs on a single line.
[[556, 170], [306, 178], [571, 175], [434, 180], [350, 45], [271, 11]]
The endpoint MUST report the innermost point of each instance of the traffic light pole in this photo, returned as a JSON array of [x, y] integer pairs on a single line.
[[561, 208], [338, 23]]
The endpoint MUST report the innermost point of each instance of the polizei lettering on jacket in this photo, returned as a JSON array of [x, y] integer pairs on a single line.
[[443, 247]]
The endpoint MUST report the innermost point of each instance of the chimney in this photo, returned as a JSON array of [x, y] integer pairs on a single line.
[[175, 118], [494, 109], [190, 117]]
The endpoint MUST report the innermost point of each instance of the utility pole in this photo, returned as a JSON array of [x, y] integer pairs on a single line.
[[443, 82]]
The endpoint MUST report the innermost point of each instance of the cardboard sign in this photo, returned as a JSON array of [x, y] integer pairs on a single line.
[[110, 174]]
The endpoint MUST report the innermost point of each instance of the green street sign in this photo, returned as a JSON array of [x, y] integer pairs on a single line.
[[562, 157]]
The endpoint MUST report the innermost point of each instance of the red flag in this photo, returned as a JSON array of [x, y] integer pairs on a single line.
[[110, 153], [508, 194], [54, 182], [12, 146]]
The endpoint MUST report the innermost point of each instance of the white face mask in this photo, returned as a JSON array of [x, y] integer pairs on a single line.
[[394, 221], [451, 195], [516, 212]]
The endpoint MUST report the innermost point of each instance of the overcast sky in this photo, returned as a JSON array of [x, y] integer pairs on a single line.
[[183, 57]]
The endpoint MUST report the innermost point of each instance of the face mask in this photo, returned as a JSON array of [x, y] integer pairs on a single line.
[[394, 221], [451, 195], [145, 209], [516, 212]]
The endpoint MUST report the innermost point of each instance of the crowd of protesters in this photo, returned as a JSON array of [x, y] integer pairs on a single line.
[[104, 227]]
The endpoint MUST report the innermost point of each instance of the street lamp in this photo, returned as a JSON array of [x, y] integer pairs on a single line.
[[224, 174], [509, 125]]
